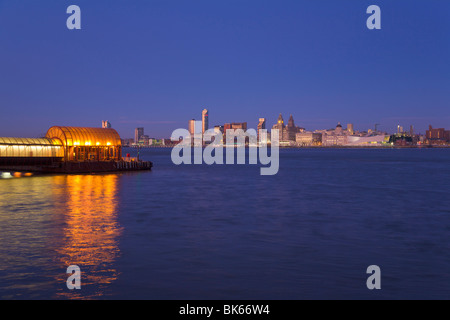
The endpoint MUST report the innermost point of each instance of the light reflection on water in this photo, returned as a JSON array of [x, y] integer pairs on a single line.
[[74, 217], [225, 232], [90, 235]]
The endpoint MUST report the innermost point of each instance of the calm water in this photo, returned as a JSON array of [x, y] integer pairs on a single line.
[[225, 232]]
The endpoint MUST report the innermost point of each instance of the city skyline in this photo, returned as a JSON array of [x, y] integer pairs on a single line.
[[317, 61]]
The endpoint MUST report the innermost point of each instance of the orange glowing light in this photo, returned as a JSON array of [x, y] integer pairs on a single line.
[[91, 230]]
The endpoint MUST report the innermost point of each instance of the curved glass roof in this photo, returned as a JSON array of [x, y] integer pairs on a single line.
[[30, 141], [79, 136]]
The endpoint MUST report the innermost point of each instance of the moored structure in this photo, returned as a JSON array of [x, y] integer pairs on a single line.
[[68, 150]]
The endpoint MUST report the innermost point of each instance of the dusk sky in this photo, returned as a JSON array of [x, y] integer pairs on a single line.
[[157, 64]]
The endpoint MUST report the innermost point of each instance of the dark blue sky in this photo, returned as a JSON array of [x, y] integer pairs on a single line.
[[157, 64]]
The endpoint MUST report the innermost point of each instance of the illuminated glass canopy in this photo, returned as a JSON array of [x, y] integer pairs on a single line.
[[68, 143], [29, 141], [76, 136], [31, 147], [88, 144]]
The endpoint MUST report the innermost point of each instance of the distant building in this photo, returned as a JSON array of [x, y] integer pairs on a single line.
[[287, 133], [334, 140], [373, 140], [308, 139], [234, 126], [106, 124], [144, 140], [335, 137], [350, 129], [437, 136], [280, 126], [195, 130], [204, 120], [191, 127], [138, 133], [218, 129], [127, 142], [291, 130], [261, 126]]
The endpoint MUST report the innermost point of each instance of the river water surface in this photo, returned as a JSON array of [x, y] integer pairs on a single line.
[[226, 232]]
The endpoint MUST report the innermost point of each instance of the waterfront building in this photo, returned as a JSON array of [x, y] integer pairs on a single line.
[[39, 149], [280, 126], [127, 142], [329, 140], [437, 136], [68, 150], [308, 139], [66, 144], [204, 120], [334, 137], [191, 127], [350, 129], [234, 126], [144, 140], [340, 137], [287, 133], [261, 126], [371, 140], [138, 133], [402, 139], [291, 130], [218, 129], [84, 144]]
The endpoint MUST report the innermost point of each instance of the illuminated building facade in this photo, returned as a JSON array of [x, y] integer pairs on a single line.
[[261, 126], [204, 120], [68, 150], [66, 144], [438, 136], [233, 126], [287, 132], [88, 144], [31, 147], [308, 139], [191, 127]]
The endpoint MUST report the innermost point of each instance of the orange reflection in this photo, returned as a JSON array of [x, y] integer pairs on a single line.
[[91, 231]]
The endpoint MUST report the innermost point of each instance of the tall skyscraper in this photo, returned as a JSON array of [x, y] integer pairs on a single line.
[[138, 133], [204, 120], [195, 130], [106, 124], [191, 127], [261, 125]]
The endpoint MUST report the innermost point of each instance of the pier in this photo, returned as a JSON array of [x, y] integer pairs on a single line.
[[68, 150]]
